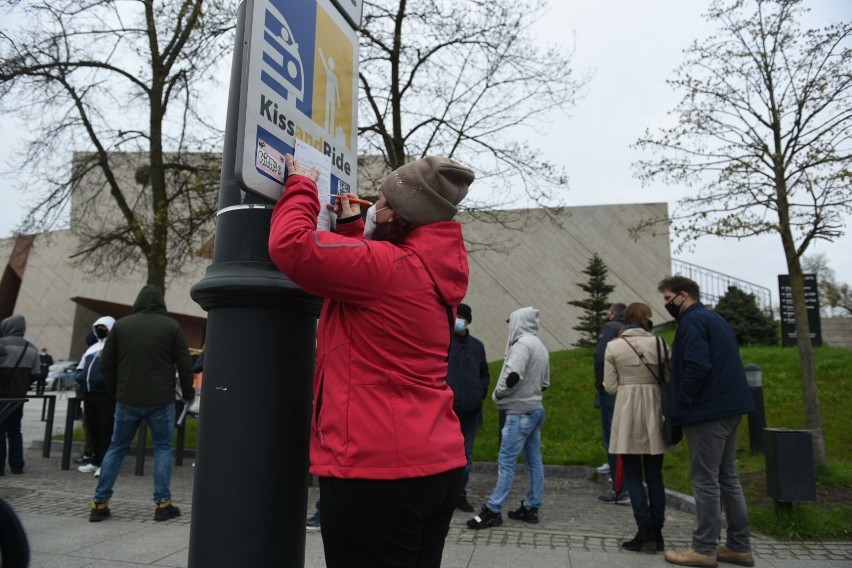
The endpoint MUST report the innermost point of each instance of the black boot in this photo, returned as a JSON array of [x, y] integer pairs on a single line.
[[658, 535], [644, 541]]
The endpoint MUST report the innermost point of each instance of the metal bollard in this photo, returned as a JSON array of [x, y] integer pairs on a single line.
[[756, 419]]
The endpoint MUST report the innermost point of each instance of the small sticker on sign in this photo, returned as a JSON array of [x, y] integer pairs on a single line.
[[270, 160]]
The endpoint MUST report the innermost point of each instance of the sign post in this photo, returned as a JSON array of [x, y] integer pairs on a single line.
[[250, 492], [299, 81], [788, 314]]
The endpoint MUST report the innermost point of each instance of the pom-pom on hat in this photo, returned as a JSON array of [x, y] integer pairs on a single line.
[[427, 190], [463, 311]]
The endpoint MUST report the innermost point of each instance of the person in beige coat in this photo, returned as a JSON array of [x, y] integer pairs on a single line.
[[631, 374]]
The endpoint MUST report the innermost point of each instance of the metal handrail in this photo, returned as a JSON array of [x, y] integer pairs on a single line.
[[715, 284]]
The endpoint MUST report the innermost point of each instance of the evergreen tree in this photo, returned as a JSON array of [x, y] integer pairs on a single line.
[[595, 305], [751, 324]]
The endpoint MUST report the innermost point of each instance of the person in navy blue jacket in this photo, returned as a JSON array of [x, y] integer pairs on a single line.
[[468, 377], [709, 396], [99, 404]]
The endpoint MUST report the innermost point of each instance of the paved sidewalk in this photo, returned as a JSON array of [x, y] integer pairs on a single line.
[[575, 530]]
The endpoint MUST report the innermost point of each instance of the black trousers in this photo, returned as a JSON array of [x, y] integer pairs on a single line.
[[100, 417], [400, 523]]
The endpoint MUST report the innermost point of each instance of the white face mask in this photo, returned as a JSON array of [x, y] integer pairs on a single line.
[[370, 222]]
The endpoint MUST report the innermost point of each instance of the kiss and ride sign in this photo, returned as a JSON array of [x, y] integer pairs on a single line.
[[299, 81]]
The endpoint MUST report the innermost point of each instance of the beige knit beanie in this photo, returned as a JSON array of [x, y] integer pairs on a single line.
[[427, 190]]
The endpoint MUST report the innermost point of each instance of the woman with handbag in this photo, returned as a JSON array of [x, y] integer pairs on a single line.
[[636, 371]]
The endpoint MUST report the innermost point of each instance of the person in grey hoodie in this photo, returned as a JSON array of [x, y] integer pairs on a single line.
[[17, 370], [525, 375]]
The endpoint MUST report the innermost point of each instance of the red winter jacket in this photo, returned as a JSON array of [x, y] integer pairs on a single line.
[[382, 407]]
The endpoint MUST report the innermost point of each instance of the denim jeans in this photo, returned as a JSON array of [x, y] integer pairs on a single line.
[[521, 433], [607, 410], [715, 483], [11, 429], [161, 422], [469, 425], [635, 466]]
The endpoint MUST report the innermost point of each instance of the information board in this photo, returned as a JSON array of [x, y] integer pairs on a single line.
[[299, 81], [788, 314]]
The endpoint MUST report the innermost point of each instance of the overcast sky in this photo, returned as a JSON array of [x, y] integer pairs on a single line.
[[632, 48]]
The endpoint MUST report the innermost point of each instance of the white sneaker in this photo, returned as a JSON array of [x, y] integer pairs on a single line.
[[88, 468], [98, 472], [604, 469]]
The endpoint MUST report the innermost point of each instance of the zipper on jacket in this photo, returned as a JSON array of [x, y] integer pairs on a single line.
[[318, 406]]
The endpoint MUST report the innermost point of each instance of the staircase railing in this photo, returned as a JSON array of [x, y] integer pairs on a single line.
[[714, 284]]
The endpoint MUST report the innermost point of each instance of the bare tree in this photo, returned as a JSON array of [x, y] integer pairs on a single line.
[[112, 80], [833, 294], [458, 79], [764, 135]]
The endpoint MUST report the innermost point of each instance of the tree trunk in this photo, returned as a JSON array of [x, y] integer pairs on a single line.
[[806, 354]]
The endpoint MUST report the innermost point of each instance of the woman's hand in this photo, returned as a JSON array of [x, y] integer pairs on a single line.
[[294, 167], [344, 208]]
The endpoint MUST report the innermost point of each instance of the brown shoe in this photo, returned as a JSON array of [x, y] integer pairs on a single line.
[[725, 554], [690, 557]]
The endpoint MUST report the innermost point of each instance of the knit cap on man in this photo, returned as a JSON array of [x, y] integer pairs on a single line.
[[427, 190], [464, 311]]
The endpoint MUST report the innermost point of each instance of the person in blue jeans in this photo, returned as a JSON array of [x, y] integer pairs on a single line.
[[138, 363], [525, 375]]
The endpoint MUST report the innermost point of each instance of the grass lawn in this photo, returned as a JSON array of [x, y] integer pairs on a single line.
[[571, 435]]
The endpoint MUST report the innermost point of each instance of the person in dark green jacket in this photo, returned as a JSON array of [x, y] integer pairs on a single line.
[[139, 362]]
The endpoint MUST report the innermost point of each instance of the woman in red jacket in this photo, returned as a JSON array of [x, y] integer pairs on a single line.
[[385, 442]]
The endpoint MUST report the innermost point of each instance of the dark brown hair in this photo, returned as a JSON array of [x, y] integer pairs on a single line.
[[393, 231], [678, 284], [639, 314]]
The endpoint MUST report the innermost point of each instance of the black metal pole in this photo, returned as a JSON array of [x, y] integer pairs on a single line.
[[756, 419], [250, 495]]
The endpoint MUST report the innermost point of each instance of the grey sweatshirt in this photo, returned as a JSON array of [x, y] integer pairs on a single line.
[[527, 356]]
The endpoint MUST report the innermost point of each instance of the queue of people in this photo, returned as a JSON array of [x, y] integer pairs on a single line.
[[394, 350], [408, 485]]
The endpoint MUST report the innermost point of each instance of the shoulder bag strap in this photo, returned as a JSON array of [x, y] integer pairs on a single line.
[[23, 352], [641, 358]]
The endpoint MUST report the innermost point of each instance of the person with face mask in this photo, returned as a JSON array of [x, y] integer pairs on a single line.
[[45, 360], [709, 395], [468, 378], [632, 370], [385, 443], [98, 403]]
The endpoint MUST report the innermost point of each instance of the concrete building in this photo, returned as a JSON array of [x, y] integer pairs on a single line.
[[537, 263], [541, 268]]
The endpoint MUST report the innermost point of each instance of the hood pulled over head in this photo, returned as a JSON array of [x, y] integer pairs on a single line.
[[150, 299], [15, 326], [107, 321], [523, 321]]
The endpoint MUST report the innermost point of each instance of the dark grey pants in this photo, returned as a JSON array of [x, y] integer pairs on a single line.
[[715, 483]]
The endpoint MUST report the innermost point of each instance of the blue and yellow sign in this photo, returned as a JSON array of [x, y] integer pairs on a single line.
[[299, 80]]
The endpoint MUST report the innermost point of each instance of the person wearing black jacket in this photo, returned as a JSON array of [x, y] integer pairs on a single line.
[[610, 330], [17, 370], [45, 361], [99, 415], [139, 360], [467, 376]]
